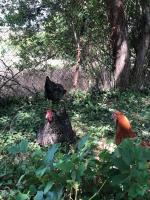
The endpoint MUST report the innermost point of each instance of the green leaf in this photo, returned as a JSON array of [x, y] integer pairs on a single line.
[[146, 153], [20, 179], [126, 152], [136, 190], [55, 195], [65, 165], [60, 193], [142, 166], [23, 146], [120, 164], [32, 189], [22, 196], [41, 170], [13, 149], [48, 187], [51, 152], [81, 169], [118, 179], [82, 142], [52, 195], [39, 196], [37, 153]]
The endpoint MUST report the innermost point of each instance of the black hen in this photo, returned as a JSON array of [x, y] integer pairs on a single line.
[[63, 121], [53, 91], [57, 129]]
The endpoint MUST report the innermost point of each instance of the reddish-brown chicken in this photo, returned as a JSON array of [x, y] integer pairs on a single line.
[[124, 129]]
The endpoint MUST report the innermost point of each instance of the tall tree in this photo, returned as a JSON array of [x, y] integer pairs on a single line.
[[119, 42], [79, 30], [142, 45]]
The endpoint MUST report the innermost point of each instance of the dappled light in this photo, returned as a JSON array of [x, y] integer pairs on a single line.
[[92, 122], [75, 100]]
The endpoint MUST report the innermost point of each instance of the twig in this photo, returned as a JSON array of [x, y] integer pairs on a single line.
[[98, 191], [9, 79]]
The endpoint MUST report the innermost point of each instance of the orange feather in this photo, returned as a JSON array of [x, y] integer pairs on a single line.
[[124, 129]]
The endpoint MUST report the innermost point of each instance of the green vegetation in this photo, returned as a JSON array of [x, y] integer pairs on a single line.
[[28, 171], [108, 42]]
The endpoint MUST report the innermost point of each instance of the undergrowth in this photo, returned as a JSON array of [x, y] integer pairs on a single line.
[[28, 171]]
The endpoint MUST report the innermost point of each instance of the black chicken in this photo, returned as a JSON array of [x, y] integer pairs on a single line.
[[57, 129], [53, 91]]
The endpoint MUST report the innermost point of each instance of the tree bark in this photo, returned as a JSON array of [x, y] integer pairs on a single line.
[[138, 73], [77, 65], [119, 42]]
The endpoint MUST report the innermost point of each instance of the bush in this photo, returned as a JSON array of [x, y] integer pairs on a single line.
[[77, 174], [128, 170]]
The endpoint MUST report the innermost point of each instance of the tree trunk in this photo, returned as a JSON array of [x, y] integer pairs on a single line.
[[77, 65], [138, 73], [119, 42]]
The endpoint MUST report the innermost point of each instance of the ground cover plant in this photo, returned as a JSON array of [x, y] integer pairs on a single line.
[[28, 171]]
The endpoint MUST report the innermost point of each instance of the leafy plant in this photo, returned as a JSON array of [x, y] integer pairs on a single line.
[[28, 171], [128, 170]]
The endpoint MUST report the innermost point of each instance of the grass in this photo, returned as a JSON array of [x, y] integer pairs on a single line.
[[20, 118]]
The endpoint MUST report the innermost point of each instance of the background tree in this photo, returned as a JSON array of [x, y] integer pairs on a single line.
[[141, 43], [119, 42], [79, 32]]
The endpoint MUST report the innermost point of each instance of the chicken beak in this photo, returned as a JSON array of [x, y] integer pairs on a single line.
[[49, 116]]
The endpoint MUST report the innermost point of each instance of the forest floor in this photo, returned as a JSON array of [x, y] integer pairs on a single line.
[[90, 113]]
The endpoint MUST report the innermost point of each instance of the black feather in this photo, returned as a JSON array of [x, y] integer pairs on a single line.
[[53, 91], [57, 131]]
